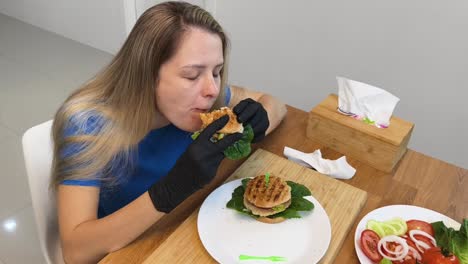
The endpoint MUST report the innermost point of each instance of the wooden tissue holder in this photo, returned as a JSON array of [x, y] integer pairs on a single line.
[[380, 148]]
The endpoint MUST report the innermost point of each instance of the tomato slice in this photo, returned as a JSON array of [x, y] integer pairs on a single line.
[[369, 243], [420, 225], [410, 242], [425, 240], [413, 245], [406, 261], [436, 256]]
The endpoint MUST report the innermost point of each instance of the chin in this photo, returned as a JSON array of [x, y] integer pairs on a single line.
[[189, 125], [189, 129]]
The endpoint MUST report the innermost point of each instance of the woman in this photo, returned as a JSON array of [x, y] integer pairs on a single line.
[[123, 154]]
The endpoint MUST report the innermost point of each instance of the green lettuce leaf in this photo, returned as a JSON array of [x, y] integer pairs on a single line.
[[244, 183], [298, 202], [298, 190], [240, 149], [237, 201], [195, 135], [301, 204], [454, 241]]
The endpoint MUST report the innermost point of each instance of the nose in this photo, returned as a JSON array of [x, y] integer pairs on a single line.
[[210, 87]]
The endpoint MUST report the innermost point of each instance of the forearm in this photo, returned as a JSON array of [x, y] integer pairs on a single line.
[[90, 241], [275, 108]]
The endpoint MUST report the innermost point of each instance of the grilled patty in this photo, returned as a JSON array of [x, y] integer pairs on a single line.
[[266, 211], [260, 195]]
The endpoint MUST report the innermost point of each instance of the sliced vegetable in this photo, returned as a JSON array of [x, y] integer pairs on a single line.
[[437, 256], [395, 226], [420, 225], [423, 240], [400, 252], [385, 261], [399, 224], [407, 261], [369, 243], [413, 253], [376, 227]]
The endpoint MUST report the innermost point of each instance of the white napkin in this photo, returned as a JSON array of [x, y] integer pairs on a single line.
[[339, 168], [365, 102]]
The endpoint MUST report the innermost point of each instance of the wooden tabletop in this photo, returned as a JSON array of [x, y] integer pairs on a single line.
[[418, 180]]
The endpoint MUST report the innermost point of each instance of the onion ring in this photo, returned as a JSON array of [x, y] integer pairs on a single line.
[[399, 254]]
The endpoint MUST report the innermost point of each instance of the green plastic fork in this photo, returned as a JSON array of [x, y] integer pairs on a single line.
[[270, 258]]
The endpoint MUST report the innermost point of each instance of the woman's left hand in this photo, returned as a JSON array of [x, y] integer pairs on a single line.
[[251, 112]]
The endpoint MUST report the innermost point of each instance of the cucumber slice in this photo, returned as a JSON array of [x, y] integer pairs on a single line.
[[388, 229], [376, 227], [399, 225], [395, 226]]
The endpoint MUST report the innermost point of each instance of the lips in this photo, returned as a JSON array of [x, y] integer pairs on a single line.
[[201, 110]]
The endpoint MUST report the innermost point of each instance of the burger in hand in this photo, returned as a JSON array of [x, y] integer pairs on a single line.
[[239, 149], [232, 126]]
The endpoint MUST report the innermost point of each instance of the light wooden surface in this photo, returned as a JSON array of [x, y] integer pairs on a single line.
[[394, 134], [341, 201], [418, 180], [380, 148]]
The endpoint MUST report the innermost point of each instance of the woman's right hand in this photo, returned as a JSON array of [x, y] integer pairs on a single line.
[[195, 168]]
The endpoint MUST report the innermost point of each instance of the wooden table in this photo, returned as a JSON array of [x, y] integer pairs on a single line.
[[418, 180]]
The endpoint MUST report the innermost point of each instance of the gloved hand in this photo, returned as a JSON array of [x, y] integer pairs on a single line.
[[195, 168], [249, 111]]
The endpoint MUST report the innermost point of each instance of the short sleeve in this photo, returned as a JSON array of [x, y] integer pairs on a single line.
[[227, 93], [91, 182], [89, 126]]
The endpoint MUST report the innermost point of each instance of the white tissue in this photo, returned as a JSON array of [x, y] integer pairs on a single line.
[[339, 168], [364, 101]]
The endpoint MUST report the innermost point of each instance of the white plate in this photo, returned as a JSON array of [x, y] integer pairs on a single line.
[[407, 212], [226, 233]]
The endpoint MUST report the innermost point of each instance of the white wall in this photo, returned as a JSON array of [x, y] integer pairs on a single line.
[[294, 49], [416, 50], [99, 24]]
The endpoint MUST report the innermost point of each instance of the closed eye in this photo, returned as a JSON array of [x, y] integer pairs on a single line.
[[217, 71]]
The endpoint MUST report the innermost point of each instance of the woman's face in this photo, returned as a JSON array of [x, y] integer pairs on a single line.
[[189, 82]]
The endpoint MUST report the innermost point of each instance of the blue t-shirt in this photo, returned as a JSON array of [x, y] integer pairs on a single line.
[[157, 154]]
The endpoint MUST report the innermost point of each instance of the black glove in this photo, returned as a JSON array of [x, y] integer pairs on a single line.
[[195, 168], [249, 111]]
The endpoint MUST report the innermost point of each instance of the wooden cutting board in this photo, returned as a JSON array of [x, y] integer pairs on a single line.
[[341, 201]]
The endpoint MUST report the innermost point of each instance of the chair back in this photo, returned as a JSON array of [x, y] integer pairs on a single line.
[[37, 151]]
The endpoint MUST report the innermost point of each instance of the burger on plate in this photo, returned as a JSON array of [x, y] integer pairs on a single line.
[[270, 199], [266, 196]]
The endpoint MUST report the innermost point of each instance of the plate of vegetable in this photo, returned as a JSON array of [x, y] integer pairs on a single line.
[[407, 234]]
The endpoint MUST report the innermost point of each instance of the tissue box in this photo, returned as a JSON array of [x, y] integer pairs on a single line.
[[380, 148]]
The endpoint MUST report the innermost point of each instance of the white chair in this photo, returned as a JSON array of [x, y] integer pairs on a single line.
[[37, 151]]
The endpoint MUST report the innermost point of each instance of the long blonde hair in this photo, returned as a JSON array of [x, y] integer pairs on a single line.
[[120, 101]]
